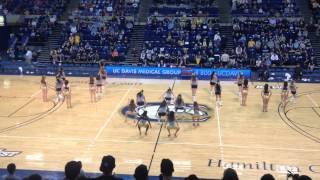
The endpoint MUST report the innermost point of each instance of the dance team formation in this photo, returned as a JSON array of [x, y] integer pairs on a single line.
[[164, 113]]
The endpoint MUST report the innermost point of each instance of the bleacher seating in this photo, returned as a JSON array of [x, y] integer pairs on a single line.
[[107, 8], [33, 7], [265, 8], [188, 8], [262, 38], [181, 42], [89, 41]]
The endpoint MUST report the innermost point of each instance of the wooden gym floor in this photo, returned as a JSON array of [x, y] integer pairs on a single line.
[[48, 135]]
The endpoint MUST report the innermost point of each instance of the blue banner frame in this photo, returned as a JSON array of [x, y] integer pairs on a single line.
[[160, 72]]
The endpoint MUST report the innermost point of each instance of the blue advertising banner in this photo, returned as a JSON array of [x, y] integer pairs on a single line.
[[156, 72], [204, 73], [143, 71]]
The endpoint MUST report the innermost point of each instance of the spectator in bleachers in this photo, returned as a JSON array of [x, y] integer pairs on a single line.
[[267, 177], [85, 41], [176, 42], [283, 42], [108, 163], [11, 169], [141, 172], [72, 170], [230, 174], [167, 169], [34, 177], [191, 177], [28, 56]]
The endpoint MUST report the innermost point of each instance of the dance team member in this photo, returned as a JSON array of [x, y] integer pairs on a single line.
[[284, 93], [67, 93], [265, 94], [168, 96], [240, 80], [162, 110], [244, 92], [293, 89], [59, 85], [179, 103], [218, 90], [131, 109], [172, 124], [92, 90], [196, 114], [213, 82], [194, 86], [44, 88], [144, 122], [141, 100]]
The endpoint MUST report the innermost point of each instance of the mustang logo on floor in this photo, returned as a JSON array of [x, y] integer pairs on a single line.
[[183, 115], [5, 153]]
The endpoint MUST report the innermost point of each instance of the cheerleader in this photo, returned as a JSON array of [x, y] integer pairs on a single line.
[[265, 94], [67, 93], [172, 124], [141, 100], [194, 86], [162, 110], [213, 82], [44, 88], [179, 103], [144, 121], [240, 80], [92, 90], [293, 89], [218, 90], [59, 85], [103, 74], [99, 85], [131, 109], [61, 75], [284, 93], [196, 114], [244, 92], [168, 96]]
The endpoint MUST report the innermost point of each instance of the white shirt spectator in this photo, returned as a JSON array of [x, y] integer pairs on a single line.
[[73, 29], [217, 37], [53, 18], [28, 56], [110, 8], [225, 58], [238, 50], [274, 57]]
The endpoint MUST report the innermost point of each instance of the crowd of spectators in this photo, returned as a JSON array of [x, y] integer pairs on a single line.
[[74, 171], [178, 42], [32, 31], [89, 41], [184, 8], [33, 7], [107, 8], [267, 42], [265, 8]]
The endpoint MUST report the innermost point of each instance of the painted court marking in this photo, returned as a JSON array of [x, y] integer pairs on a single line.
[[161, 142]]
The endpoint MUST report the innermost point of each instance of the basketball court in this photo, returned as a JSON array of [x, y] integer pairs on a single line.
[[46, 135]]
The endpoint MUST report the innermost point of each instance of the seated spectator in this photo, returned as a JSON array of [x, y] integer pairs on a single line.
[[230, 174], [191, 177], [304, 177], [141, 172], [267, 177], [72, 170], [106, 167], [28, 56], [166, 169], [11, 169], [34, 177]]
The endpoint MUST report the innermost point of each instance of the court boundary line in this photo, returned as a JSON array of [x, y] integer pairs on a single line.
[[163, 143], [111, 116]]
